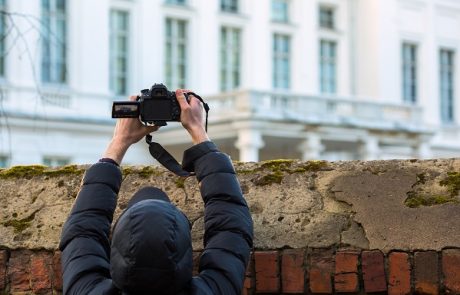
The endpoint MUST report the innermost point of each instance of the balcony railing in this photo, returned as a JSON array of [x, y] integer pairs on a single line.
[[314, 109]]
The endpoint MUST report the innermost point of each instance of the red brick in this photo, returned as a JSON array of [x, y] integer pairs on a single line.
[[346, 271], [3, 262], [426, 273], [399, 273], [373, 271], [41, 272], [248, 286], [267, 272], [346, 283], [57, 272], [292, 271], [321, 271], [451, 270], [19, 270]]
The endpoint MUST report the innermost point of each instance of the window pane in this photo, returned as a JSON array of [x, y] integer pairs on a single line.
[[280, 10], [230, 40], [328, 67], [4, 161], [119, 51], [53, 161], [177, 2], [176, 53], [229, 5], [326, 18], [281, 61], [446, 83], [53, 51], [3, 32], [409, 68]]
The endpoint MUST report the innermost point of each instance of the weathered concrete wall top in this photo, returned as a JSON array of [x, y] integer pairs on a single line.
[[385, 205]]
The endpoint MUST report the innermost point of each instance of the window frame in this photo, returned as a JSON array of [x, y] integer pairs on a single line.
[[3, 36], [4, 161], [281, 15], [328, 66], [177, 2], [329, 24], [230, 58], [409, 72], [115, 53], [173, 66], [54, 56], [447, 87], [281, 76], [230, 6], [56, 161]]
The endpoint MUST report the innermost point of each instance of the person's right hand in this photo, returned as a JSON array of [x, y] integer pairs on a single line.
[[192, 116]]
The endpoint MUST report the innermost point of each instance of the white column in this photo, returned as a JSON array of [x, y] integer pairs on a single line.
[[249, 142], [311, 147], [370, 149], [423, 150]]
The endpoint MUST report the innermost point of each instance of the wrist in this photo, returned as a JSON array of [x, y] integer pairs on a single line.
[[199, 136], [116, 150]]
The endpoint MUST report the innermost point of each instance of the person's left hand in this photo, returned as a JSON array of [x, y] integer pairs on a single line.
[[130, 130], [127, 131]]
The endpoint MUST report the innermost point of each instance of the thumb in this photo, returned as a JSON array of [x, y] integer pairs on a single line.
[[181, 99]]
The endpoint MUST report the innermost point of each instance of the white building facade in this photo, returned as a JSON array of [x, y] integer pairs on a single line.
[[308, 79]]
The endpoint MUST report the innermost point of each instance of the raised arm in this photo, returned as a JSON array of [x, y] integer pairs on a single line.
[[84, 241], [228, 225]]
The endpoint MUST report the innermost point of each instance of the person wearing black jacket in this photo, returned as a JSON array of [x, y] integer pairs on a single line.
[[150, 250]]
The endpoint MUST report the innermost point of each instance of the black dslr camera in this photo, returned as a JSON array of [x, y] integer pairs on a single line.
[[155, 106]]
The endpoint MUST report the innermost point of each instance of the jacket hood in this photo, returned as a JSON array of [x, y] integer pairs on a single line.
[[151, 249]]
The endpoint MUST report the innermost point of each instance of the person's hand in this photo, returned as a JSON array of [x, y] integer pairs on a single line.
[[127, 131], [191, 116]]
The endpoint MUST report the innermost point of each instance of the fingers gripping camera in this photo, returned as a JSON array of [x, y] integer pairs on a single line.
[[155, 106]]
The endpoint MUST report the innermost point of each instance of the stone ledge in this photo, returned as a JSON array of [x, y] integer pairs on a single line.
[[406, 205]]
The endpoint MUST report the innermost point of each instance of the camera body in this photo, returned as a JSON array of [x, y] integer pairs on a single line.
[[155, 106]]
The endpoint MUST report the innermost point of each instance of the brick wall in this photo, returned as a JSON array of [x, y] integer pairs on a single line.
[[289, 271]]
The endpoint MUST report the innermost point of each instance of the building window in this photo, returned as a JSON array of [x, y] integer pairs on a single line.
[[280, 10], [52, 161], [326, 18], [409, 72], [229, 5], [54, 68], [176, 53], [328, 67], [176, 2], [119, 51], [446, 75], [3, 33], [4, 161], [281, 61], [230, 58]]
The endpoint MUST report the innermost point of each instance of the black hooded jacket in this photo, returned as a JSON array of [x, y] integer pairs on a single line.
[[86, 246]]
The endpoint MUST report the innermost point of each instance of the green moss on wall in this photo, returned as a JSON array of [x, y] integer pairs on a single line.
[[19, 225], [415, 201], [180, 182], [270, 178], [148, 171], [39, 170], [452, 182], [278, 168]]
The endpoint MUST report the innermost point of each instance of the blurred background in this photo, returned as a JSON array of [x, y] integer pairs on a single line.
[[304, 79]]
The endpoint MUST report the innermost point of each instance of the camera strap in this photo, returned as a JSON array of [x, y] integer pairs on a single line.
[[163, 156]]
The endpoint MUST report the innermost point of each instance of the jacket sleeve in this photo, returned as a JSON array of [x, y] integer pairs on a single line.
[[84, 241], [228, 225]]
